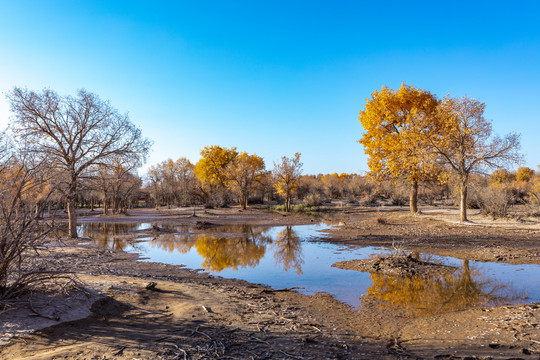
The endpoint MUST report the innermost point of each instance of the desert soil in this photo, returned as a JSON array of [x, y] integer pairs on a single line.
[[116, 307]]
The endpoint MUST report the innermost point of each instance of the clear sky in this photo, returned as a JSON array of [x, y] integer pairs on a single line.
[[275, 77]]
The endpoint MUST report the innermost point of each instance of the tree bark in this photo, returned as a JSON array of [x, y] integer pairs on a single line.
[[116, 206], [72, 216], [413, 198], [71, 202], [463, 203]]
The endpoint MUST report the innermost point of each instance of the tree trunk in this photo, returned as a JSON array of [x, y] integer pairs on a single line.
[[105, 207], [116, 206], [71, 201], [92, 204], [244, 200], [72, 216], [413, 198], [463, 203]]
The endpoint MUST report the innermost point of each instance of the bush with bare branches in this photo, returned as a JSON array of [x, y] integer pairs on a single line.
[[21, 188]]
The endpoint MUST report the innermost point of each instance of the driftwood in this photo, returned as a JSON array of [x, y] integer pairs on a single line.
[[196, 331], [266, 291], [36, 313], [184, 352], [119, 352]]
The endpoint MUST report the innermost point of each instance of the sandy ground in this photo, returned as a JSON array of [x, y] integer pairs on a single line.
[[191, 315]]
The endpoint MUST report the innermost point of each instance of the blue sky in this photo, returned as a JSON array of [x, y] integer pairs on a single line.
[[274, 77]]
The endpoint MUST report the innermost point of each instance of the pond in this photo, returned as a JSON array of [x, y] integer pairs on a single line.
[[298, 256]]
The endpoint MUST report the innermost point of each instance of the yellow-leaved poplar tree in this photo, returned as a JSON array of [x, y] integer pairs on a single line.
[[286, 175], [393, 123], [211, 170]]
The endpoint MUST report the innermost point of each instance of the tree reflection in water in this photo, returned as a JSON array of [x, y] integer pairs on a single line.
[[224, 253], [171, 242], [427, 295], [107, 234], [226, 250], [289, 250], [220, 252]]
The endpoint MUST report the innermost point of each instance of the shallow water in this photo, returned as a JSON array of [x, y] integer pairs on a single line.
[[294, 256]]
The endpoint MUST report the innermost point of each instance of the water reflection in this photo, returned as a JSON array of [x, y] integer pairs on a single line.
[[289, 250], [427, 295], [171, 242], [245, 249], [222, 253], [108, 234], [283, 257]]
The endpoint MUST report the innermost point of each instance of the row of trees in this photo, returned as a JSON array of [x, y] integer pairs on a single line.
[[175, 183], [412, 135], [221, 174]]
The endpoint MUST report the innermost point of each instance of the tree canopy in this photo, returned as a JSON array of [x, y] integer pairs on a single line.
[[286, 174], [211, 170], [74, 134], [465, 142], [393, 122]]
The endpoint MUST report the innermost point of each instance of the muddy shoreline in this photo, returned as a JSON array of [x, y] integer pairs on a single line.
[[202, 316]]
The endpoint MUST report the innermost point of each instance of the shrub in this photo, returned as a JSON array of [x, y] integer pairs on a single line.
[[20, 232], [312, 200], [495, 201]]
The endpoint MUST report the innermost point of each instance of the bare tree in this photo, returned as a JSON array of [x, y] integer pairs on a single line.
[[466, 145], [124, 187], [172, 182], [75, 133]]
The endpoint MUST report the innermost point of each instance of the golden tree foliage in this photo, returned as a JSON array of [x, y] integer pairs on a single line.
[[534, 190], [500, 176], [211, 169], [286, 174], [393, 122], [244, 172], [524, 174]]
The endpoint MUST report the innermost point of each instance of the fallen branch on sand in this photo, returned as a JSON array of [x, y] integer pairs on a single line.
[[265, 291]]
